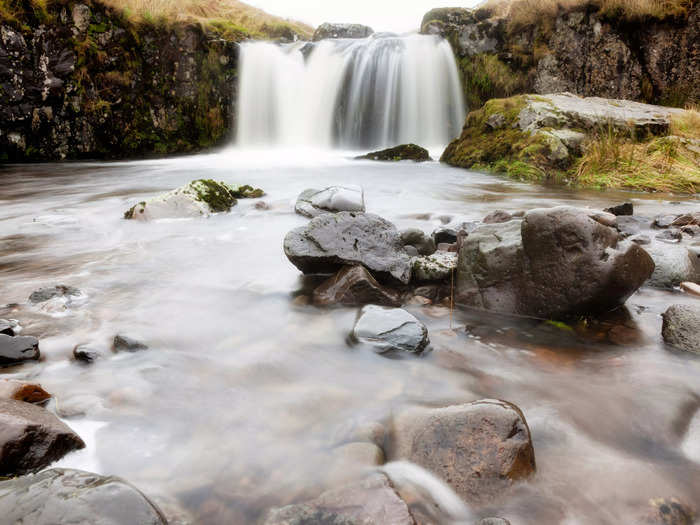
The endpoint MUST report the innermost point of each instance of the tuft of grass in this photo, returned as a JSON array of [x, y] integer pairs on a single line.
[[486, 77], [687, 124]]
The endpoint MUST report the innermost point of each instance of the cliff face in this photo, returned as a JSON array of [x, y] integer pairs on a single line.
[[579, 51], [79, 81]]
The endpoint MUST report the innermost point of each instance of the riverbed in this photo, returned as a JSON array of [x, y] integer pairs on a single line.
[[244, 389]]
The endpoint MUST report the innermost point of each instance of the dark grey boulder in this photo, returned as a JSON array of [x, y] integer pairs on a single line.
[[73, 496], [32, 438], [681, 327], [331, 241], [404, 152], [328, 30], [87, 353], [354, 286], [480, 449], [123, 343], [624, 209], [372, 501], [45, 294], [8, 327], [14, 350], [390, 329], [557, 262], [423, 244], [674, 263]]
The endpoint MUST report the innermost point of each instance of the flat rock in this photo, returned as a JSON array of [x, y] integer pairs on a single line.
[[32, 438], [331, 241], [557, 262], [22, 391], [354, 286], [439, 266], [14, 350], [480, 449], [390, 329], [681, 327], [334, 31], [404, 152], [312, 203], [373, 501], [73, 496]]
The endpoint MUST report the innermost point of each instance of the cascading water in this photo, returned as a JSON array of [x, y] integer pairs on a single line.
[[375, 92]]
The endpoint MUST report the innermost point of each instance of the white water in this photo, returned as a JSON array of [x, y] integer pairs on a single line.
[[375, 92]]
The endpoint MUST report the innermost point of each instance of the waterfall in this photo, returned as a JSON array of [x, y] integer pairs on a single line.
[[370, 93]]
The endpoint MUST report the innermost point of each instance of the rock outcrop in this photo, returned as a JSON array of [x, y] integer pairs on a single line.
[[404, 152], [331, 241], [328, 30], [32, 438], [73, 496], [480, 449], [554, 263]]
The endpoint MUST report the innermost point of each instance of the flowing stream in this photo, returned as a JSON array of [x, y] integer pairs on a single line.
[[237, 403]]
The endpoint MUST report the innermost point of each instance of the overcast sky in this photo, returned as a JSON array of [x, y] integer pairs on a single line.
[[399, 16]]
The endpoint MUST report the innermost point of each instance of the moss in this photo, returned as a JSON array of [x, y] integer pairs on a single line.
[[217, 195], [485, 77], [246, 192]]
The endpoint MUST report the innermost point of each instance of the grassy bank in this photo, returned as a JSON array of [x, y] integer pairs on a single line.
[[232, 19]]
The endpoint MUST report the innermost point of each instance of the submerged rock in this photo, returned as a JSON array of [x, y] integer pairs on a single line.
[[404, 152], [312, 203], [354, 286], [199, 198], [621, 210], [681, 327], [32, 438], [45, 294], [674, 264], [390, 329], [667, 511], [480, 449], [436, 267], [331, 241], [123, 343], [21, 391], [373, 501], [14, 350], [73, 496], [558, 262], [87, 353], [328, 30]]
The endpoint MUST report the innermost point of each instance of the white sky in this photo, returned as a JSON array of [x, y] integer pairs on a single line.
[[398, 16]]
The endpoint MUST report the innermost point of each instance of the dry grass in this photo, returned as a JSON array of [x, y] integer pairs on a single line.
[[528, 12], [686, 125]]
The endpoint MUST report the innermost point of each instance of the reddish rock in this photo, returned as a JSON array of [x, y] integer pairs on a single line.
[[354, 286]]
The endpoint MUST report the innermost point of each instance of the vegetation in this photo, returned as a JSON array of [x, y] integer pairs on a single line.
[[485, 77]]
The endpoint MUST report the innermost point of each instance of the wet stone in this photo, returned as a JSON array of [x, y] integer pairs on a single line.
[[493, 521], [691, 288], [664, 221], [14, 350], [390, 329], [670, 236], [497, 217], [641, 239], [354, 286], [73, 496], [8, 327], [123, 343], [692, 230], [45, 294], [312, 203], [681, 327], [423, 244], [667, 511], [21, 391], [624, 209], [87, 353]]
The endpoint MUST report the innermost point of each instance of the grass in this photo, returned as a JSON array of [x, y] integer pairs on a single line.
[[231, 18], [521, 13]]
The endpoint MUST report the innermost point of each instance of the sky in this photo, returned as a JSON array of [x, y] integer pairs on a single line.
[[399, 16]]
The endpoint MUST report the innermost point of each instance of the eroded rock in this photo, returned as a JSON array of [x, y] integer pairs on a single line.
[[390, 329], [439, 266], [354, 286], [312, 203], [681, 327]]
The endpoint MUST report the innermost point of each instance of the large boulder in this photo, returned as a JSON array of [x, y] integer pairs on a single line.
[[681, 327], [32, 438], [312, 203], [333, 31], [72, 496], [674, 264], [404, 152], [14, 350], [354, 286], [331, 241], [390, 329], [557, 262], [480, 449], [372, 501], [199, 198]]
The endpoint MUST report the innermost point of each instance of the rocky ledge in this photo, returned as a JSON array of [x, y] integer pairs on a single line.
[[563, 137], [328, 30]]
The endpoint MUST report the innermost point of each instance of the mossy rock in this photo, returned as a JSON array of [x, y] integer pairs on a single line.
[[404, 152]]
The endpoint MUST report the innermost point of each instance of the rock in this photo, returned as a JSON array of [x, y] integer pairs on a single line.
[[493, 521], [604, 218], [641, 240], [405, 152], [354, 286], [199, 198], [629, 225], [670, 236], [664, 221], [73, 496], [480, 449], [691, 288], [423, 244], [693, 230], [123, 343], [45, 294], [497, 217], [9, 327], [556, 263], [87, 353], [32, 438], [331, 241], [675, 263], [390, 329], [21, 391], [681, 327], [667, 511], [312, 203], [449, 233], [373, 501], [14, 350], [81, 17], [328, 30], [437, 267], [687, 219]]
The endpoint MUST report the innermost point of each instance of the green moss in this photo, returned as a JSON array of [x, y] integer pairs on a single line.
[[217, 195], [485, 77]]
